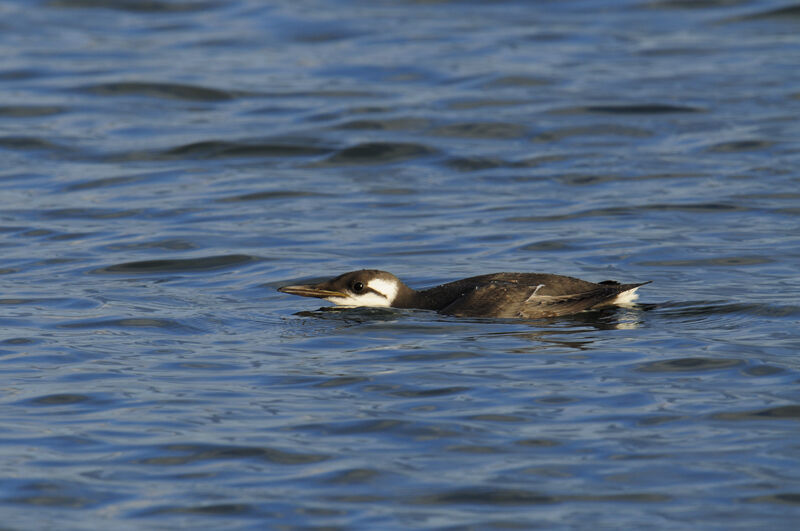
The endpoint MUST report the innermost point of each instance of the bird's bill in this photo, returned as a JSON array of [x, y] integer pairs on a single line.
[[311, 291]]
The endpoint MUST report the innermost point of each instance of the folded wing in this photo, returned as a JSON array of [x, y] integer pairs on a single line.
[[511, 300]]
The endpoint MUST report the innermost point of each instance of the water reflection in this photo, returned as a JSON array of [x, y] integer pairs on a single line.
[[610, 318]]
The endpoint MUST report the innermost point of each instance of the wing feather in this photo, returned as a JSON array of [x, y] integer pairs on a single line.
[[506, 299]]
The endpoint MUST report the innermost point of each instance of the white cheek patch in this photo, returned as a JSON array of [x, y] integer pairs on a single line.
[[387, 288], [366, 299]]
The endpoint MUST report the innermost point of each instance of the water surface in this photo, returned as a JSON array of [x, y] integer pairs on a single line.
[[167, 165]]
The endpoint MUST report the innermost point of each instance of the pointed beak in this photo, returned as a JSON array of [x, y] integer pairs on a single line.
[[311, 291]]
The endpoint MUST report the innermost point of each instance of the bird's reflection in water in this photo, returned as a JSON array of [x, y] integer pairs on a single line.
[[627, 317], [353, 315]]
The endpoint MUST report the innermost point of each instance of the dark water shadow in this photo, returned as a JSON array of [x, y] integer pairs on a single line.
[[187, 265], [30, 111], [219, 509], [182, 454], [785, 412], [353, 315], [689, 365], [161, 90], [132, 325], [378, 153], [219, 149], [215, 149], [695, 309], [500, 496], [136, 6], [610, 318], [49, 493], [789, 13], [634, 109], [268, 195]]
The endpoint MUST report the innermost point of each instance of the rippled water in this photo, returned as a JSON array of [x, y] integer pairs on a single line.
[[167, 164]]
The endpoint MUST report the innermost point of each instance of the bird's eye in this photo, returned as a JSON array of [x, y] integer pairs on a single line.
[[358, 287]]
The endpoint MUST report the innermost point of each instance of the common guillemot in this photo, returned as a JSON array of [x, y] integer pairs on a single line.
[[505, 295]]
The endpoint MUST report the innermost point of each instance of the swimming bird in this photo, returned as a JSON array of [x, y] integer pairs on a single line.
[[505, 295]]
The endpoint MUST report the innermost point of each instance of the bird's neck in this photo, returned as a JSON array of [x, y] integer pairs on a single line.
[[429, 299]]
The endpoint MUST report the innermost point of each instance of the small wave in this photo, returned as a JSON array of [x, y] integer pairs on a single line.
[[270, 195], [219, 149], [72, 303], [646, 108], [29, 111], [709, 308], [631, 210], [169, 325], [26, 143], [136, 6], [218, 509], [476, 163], [174, 91], [513, 496], [170, 244], [379, 153], [516, 81], [342, 381], [205, 263], [90, 213], [694, 364], [725, 261], [191, 453], [40, 494], [486, 496], [788, 13], [61, 399], [487, 130], [739, 145], [408, 428], [790, 412], [784, 498], [556, 135], [120, 180], [385, 124]]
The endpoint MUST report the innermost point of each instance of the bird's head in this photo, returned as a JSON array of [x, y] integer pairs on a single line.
[[368, 287]]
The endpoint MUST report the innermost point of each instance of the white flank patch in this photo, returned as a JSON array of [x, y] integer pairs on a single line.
[[626, 297]]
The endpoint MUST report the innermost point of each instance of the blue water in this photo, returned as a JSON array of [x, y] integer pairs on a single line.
[[167, 164]]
